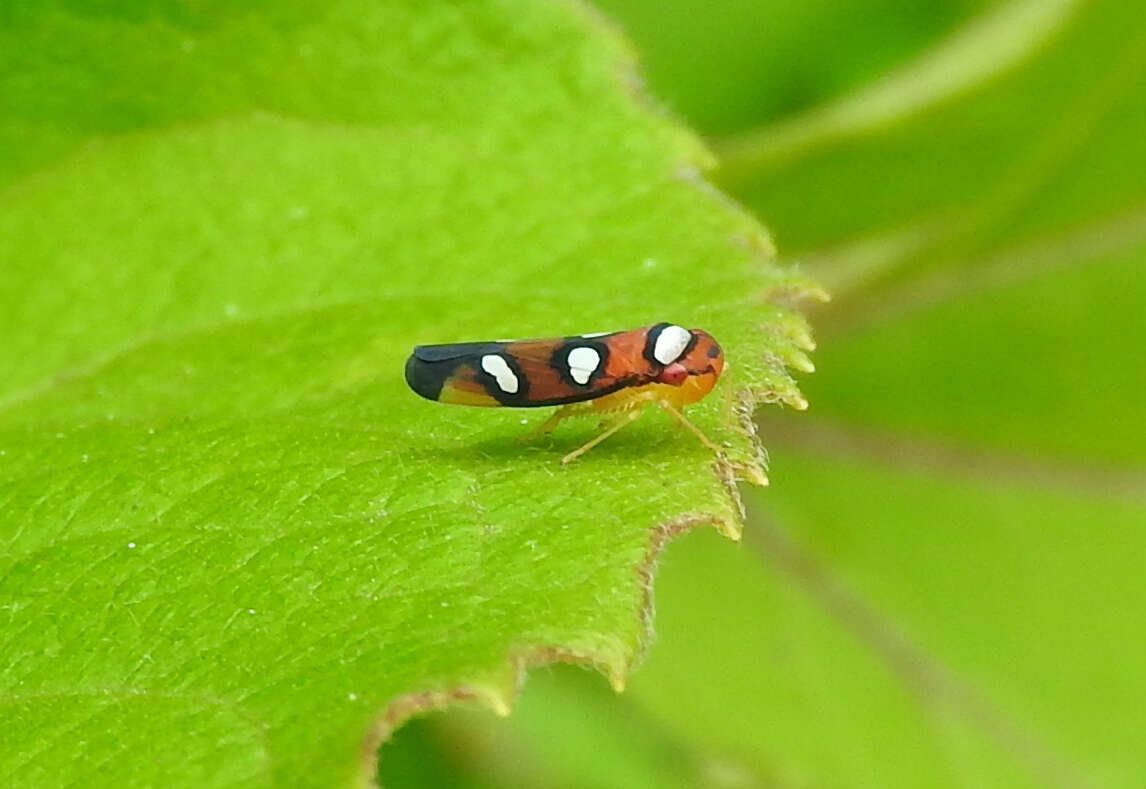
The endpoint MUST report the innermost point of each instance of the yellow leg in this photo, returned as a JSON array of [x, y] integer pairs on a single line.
[[617, 424], [696, 431], [547, 426]]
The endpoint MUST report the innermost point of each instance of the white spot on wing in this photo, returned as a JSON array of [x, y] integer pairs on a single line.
[[583, 362], [671, 343], [497, 367], [593, 334]]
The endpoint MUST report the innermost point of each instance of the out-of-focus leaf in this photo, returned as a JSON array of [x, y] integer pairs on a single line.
[[732, 65], [985, 256], [1041, 365], [567, 730], [1018, 667]]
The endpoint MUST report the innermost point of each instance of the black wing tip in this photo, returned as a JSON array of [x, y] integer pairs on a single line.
[[423, 378], [456, 350], [424, 353]]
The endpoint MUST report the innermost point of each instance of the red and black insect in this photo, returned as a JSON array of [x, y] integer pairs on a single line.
[[611, 372]]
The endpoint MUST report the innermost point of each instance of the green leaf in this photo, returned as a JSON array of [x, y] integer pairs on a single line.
[[567, 730], [236, 548], [976, 281], [943, 587], [743, 62], [939, 649]]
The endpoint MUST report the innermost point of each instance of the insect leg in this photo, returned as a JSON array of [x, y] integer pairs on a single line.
[[616, 425], [682, 420], [547, 426]]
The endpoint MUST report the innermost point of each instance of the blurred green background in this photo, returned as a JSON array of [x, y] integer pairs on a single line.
[[944, 584]]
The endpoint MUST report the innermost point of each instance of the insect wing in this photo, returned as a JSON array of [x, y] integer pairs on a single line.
[[523, 373], [452, 373]]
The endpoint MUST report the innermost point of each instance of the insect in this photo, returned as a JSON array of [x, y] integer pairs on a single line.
[[616, 373]]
